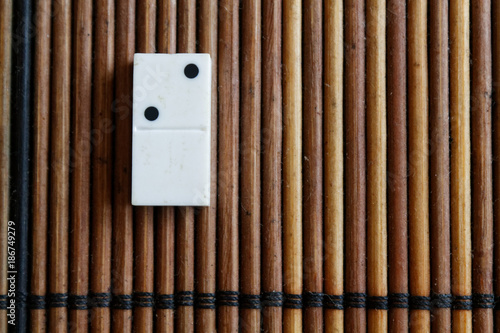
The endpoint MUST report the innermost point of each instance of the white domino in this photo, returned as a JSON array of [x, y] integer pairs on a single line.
[[171, 149]]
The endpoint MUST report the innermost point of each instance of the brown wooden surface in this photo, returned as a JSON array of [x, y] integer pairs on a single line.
[[496, 146], [482, 177], [102, 160], [418, 161], [144, 215], [333, 161], [312, 150], [439, 159], [206, 217], [250, 152], [60, 155], [354, 144], [292, 160], [460, 160], [123, 228], [376, 154], [165, 216], [5, 68], [81, 149], [184, 216], [227, 204], [397, 203], [271, 136]]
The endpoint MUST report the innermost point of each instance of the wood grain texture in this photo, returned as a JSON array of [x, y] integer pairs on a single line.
[[144, 216], [333, 161], [81, 149], [123, 228], [60, 158], [272, 136], [355, 151], [460, 159], [496, 145], [439, 159], [376, 150], [165, 216], [292, 160], [482, 177], [206, 218], [227, 204], [250, 152], [102, 160], [5, 88], [418, 160], [397, 201], [184, 216], [312, 152]]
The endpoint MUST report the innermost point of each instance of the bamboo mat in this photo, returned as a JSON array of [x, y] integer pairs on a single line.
[[355, 169]]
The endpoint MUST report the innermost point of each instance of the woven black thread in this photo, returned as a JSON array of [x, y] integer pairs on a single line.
[[184, 298], [293, 301], [78, 302], [37, 302], [205, 301], [399, 301], [272, 299], [377, 302], [483, 301], [123, 302], [462, 302], [227, 298], [442, 301], [334, 302], [57, 300], [3, 302], [420, 302], [165, 301], [355, 300], [143, 299], [248, 301], [99, 300], [313, 299]]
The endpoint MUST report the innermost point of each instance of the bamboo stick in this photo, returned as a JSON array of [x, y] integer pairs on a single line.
[[122, 228], [60, 155], [5, 63], [227, 205], [184, 216], [313, 162], [439, 160], [165, 216], [333, 164], [496, 147], [292, 161], [376, 129], [80, 176], [19, 212], [482, 178], [206, 218], [460, 159], [41, 106], [102, 165], [418, 159], [271, 136], [250, 182], [355, 182], [397, 202], [144, 215]]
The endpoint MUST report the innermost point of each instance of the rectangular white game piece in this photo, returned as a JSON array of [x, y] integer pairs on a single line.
[[171, 130]]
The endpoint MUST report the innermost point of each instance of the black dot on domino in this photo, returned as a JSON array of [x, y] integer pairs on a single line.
[[191, 71], [151, 113]]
